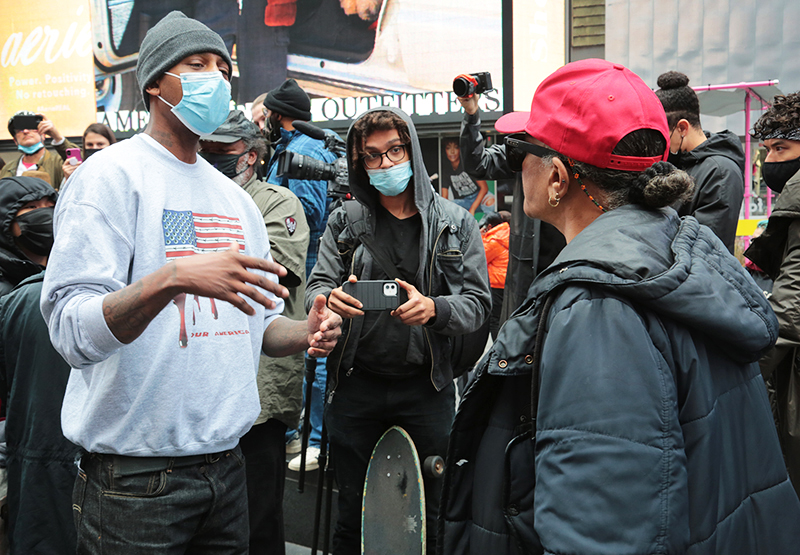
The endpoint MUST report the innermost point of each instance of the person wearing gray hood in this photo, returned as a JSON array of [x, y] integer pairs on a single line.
[[394, 368], [714, 160]]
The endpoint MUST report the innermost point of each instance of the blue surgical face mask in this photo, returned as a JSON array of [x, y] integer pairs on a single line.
[[206, 101], [31, 149], [391, 181]]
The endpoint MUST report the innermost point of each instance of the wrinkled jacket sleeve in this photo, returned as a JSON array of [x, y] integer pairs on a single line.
[[610, 463], [329, 271], [468, 310], [785, 299], [480, 162], [720, 196]]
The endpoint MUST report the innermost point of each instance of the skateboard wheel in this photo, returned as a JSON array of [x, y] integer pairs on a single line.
[[433, 467]]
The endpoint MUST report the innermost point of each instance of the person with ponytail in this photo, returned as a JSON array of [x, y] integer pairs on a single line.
[[620, 410], [714, 160]]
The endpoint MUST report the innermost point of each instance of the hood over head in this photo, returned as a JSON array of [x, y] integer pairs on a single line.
[[360, 186], [674, 267], [15, 192], [725, 143]]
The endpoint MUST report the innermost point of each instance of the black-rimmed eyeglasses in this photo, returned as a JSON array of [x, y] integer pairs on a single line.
[[517, 148], [373, 160]]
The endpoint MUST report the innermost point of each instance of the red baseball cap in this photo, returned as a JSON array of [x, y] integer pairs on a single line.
[[585, 108]]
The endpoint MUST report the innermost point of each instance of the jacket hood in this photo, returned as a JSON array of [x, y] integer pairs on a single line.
[[674, 267], [724, 143], [14, 193], [360, 186]]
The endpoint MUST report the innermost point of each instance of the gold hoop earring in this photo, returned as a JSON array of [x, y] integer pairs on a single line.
[[556, 199]]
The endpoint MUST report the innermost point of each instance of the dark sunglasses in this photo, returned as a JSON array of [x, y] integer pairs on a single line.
[[517, 148]]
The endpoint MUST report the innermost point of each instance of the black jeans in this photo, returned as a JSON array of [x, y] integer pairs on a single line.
[[363, 408], [133, 505], [497, 308], [264, 448]]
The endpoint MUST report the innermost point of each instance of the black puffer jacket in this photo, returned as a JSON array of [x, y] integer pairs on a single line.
[[717, 166], [653, 429], [452, 269], [15, 192]]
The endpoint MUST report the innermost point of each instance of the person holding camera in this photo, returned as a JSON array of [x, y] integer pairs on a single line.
[[282, 106], [533, 244], [29, 132], [394, 367]]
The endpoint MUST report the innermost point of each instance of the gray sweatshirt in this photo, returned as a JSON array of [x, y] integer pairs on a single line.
[[187, 385]]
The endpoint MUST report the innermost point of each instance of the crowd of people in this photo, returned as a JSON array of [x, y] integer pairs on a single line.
[[163, 298]]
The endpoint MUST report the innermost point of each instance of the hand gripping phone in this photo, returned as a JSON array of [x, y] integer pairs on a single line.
[[376, 294], [74, 153]]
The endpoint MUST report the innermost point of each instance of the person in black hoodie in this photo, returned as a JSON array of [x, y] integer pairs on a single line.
[[26, 228], [394, 368], [33, 376], [714, 160]]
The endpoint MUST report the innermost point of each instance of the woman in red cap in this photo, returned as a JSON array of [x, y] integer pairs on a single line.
[[646, 426]]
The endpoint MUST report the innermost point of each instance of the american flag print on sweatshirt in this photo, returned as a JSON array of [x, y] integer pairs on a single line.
[[187, 233]]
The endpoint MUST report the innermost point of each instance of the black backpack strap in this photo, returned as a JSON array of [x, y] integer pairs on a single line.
[[355, 212]]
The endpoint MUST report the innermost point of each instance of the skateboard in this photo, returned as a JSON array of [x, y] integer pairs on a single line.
[[393, 506]]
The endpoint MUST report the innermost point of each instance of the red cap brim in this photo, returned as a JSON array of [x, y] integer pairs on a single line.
[[514, 122]]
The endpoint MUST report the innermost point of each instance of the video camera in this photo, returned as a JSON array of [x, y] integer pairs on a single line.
[[299, 166], [465, 85]]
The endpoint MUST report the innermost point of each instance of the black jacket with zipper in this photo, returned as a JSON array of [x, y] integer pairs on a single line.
[[452, 269]]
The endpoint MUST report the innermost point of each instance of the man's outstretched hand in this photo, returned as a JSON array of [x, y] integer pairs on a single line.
[[226, 276], [324, 328]]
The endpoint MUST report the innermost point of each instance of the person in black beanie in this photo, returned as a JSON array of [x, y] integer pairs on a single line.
[[714, 160], [282, 106]]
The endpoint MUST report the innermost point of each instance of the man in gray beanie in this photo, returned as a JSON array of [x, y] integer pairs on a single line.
[[282, 106], [161, 294]]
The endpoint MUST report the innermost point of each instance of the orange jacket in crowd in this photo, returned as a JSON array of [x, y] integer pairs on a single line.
[[495, 241]]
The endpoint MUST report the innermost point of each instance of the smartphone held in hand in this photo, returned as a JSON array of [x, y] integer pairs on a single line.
[[376, 294], [76, 154]]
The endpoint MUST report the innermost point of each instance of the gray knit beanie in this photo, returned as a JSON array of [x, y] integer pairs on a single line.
[[171, 40], [289, 100]]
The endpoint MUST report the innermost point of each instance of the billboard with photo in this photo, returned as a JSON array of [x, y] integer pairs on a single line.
[[474, 195], [46, 61], [349, 55]]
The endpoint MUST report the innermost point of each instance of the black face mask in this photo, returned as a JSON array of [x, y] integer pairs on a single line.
[[224, 163], [36, 229], [677, 158], [776, 174], [89, 151]]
